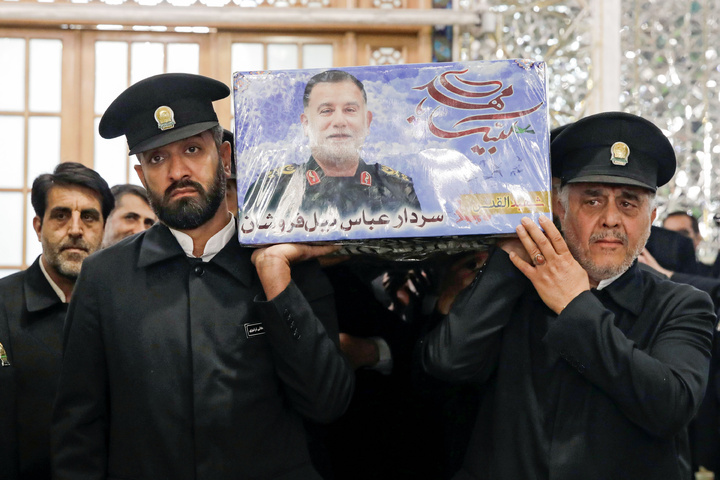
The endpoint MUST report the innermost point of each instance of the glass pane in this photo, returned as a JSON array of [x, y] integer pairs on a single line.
[[45, 75], [111, 73], [12, 139], [7, 272], [33, 245], [12, 74], [317, 56], [110, 158], [183, 58], [11, 204], [147, 59], [43, 145], [247, 56], [282, 56]]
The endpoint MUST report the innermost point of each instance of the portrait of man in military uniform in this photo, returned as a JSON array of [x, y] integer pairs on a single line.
[[335, 181]]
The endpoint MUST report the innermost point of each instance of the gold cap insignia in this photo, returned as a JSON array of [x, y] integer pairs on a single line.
[[620, 153], [165, 118]]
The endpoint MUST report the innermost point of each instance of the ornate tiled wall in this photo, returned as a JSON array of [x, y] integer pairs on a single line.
[[669, 73]]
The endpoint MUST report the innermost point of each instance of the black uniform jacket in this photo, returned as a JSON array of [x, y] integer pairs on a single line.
[[305, 189], [178, 369], [31, 323], [602, 391]]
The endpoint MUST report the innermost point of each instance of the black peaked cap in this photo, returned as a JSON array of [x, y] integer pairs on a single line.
[[613, 147], [163, 109]]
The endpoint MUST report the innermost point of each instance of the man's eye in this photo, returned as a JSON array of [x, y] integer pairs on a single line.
[[193, 149], [155, 160]]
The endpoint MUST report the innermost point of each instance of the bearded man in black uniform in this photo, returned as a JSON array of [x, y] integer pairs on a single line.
[[187, 356], [593, 366], [335, 179]]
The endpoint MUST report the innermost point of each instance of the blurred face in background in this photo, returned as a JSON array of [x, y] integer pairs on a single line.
[[131, 215], [683, 225]]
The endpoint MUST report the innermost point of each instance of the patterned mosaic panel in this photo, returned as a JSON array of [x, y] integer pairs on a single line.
[[671, 74], [557, 32]]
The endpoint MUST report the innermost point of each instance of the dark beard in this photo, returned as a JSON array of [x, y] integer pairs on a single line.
[[190, 213]]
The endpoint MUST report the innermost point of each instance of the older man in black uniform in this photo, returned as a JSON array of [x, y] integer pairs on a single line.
[[186, 355], [594, 366], [335, 180], [71, 206]]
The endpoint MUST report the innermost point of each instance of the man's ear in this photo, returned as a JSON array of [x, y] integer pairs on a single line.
[[558, 208], [141, 175], [369, 118], [226, 156], [304, 122], [37, 226], [653, 215]]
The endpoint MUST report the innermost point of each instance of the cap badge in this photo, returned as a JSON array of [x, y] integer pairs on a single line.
[[620, 153], [165, 118]]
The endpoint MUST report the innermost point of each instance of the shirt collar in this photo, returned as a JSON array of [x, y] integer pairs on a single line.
[[604, 283], [624, 289], [213, 245], [54, 286]]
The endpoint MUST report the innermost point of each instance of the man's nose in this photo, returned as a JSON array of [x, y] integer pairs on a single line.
[[338, 119], [138, 226], [178, 167], [76, 225], [611, 215]]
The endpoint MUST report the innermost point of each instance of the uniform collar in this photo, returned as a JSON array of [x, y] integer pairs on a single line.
[[213, 245], [318, 175], [159, 244], [52, 283], [39, 293], [624, 290]]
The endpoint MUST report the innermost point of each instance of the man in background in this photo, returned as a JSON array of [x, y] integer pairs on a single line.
[[685, 224], [132, 214], [71, 206]]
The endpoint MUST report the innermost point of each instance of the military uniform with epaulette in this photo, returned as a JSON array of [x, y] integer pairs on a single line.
[[374, 188]]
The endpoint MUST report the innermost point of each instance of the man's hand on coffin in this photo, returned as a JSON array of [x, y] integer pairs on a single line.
[[458, 277], [548, 263], [273, 263]]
